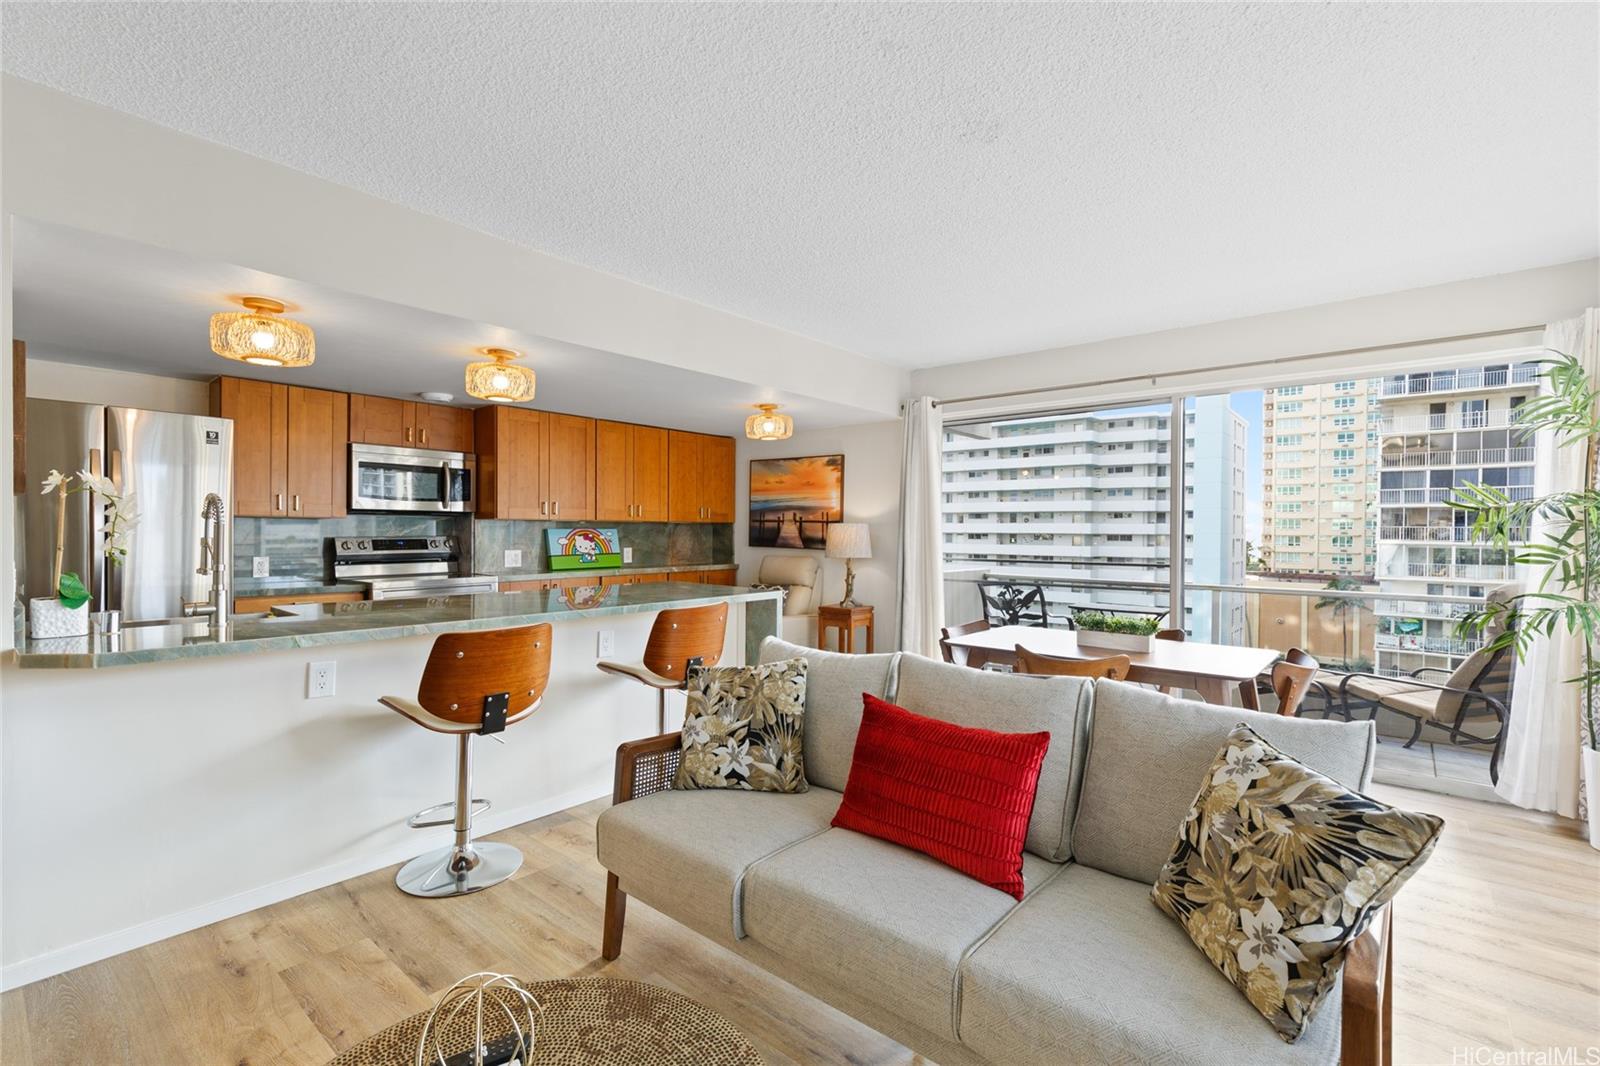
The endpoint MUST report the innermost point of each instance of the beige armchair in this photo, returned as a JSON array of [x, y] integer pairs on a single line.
[[797, 576]]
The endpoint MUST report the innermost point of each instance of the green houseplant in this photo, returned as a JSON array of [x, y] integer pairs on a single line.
[[1558, 536], [1096, 629], [66, 614]]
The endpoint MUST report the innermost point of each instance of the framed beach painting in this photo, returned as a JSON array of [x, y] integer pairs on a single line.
[[794, 501]]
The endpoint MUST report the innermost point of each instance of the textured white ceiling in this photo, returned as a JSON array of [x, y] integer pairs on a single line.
[[922, 183]]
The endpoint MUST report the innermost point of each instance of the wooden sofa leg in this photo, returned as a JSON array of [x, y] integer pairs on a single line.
[[616, 912], [1368, 1008]]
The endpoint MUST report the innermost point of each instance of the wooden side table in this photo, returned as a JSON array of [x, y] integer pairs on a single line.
[[846, 620]]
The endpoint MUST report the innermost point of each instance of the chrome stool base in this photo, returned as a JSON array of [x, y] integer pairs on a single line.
[[458, 871]]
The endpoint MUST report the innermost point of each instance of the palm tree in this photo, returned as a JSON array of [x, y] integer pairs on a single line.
[[1342, 606]]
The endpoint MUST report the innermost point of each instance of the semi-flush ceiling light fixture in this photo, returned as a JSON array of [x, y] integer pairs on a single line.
[[769, 424], [499, 381], [257, 335]]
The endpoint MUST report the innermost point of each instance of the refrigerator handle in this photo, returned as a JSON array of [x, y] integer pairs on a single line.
[[95, 562], [115, 472]]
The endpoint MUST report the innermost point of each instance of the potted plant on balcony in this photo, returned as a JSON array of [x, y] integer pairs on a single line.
[[1096, 629], [1561, 531], [66, 614]]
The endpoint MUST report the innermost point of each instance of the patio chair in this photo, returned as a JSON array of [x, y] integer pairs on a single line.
[[1458, 705], [1008, 604], [976, 658]]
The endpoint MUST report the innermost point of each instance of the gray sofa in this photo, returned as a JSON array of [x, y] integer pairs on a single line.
[[1083, 969]]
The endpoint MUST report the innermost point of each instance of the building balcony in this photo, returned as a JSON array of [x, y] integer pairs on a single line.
[[1458, 457], [1430, 645], [1443, 495], [1456, 571], [1430, 423], [1428, 534], [1421, 608], [1459, 381]]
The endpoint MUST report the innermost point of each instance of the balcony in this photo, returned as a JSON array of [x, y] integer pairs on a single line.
[[1428, 645], [1458, 457], [1427, 534], [1459, 381], [1395, 425], [1456, 571], [1427, 607], [1442, 495]]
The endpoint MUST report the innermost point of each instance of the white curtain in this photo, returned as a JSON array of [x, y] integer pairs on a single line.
[[1540, 765], [921, 534]]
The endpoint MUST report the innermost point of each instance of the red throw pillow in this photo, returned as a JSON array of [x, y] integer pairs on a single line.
[[960, 795]]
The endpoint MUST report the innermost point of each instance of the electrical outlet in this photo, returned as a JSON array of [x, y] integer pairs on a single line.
[[260, 566], [606, 644], [513, 558], [627, 555], [320, 680]]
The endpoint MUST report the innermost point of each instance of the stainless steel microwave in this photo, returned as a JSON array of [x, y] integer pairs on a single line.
[[411, 479]]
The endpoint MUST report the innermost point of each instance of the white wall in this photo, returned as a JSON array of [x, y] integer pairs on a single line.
[[1504, 301], [137, 802], [871, 495], [93, 384]]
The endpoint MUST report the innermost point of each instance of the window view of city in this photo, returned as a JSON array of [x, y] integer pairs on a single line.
[[1313, 515]]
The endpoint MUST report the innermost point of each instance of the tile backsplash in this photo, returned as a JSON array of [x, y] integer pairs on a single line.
[[653, 544], [295, 545]]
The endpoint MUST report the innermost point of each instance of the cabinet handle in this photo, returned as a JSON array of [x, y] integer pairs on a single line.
[[543, 505], [277, 501], [297, 501], [555, 508], [424, 434], [408, 434]]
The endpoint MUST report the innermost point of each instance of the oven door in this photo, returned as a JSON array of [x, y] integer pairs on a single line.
[[411, 479]]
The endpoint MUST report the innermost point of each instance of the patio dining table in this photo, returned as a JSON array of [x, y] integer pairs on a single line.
[[1212, 670]]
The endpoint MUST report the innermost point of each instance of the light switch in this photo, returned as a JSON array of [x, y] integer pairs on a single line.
[[627, 555], [606, 643], [260, 566], [513, 558]]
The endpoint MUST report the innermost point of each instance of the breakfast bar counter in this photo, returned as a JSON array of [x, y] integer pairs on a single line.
[[348, 623]]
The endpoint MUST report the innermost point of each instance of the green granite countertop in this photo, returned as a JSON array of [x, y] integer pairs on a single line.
[[348, 623]]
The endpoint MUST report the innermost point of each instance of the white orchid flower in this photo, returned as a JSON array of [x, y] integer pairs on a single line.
[[1242, 765], [1265, 945], [54, 480]]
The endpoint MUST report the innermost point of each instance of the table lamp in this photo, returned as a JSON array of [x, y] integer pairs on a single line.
[[847, 541]]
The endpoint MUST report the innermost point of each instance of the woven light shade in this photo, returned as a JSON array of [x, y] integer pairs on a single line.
[[768, 425], [261, 337], [499, 380]]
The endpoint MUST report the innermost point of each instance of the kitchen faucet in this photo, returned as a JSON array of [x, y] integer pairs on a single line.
[[214, 514]]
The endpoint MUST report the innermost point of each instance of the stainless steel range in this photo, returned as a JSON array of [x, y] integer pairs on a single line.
[[398, 568]]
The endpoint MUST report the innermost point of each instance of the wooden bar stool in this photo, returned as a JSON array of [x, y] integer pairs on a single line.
[[680, 639], [473, 683]]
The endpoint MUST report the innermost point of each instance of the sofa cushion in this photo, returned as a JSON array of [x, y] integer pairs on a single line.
[[686, 853], [1011, 703], [1278, 870], [834, 684], [1147, 754], [958, 794], [743, 728], [1086, 970], [887, 924]]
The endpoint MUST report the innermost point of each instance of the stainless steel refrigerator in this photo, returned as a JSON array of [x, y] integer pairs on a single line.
[[169, 462]]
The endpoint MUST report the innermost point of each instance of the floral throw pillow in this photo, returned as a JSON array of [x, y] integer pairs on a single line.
[[744, 728], [1278, 870]]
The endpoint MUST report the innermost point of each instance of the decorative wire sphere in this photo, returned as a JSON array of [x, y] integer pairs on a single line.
[[498, 994], [260, 337], [499, 380], [768, 425]]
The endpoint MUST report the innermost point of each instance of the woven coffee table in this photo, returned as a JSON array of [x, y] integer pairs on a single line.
[[596, 1021]]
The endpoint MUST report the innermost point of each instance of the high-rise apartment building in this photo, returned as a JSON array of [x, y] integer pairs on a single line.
[[1087, 495], [1440, 430], [1320, 476]]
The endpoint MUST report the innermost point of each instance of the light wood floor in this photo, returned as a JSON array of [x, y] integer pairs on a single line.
[[1498, 942]]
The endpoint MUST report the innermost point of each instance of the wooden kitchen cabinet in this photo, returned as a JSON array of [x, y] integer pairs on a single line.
[[699, 477], [630, 473], [252, 604], [610, 580], [406, 424], [729, 576], [544, 583], [535, 465], [289, 448]]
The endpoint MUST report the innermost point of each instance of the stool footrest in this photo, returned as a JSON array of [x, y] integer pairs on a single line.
[[420, 820]]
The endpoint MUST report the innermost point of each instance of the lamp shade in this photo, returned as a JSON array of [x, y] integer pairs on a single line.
[[849, 540], [259, 336], [500, 380], [769, 424]]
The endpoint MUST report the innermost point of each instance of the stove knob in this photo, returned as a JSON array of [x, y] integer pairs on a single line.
[[344, 545], [365, 545]]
